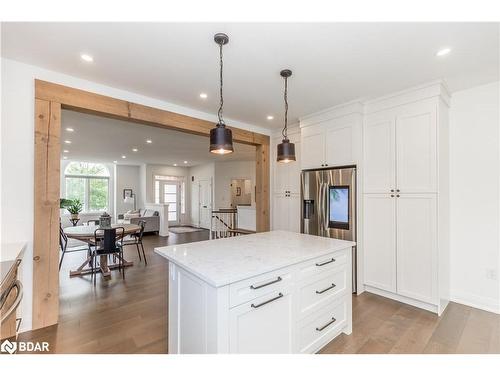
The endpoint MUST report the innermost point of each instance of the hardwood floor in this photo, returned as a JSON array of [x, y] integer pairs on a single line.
[[130, 316]]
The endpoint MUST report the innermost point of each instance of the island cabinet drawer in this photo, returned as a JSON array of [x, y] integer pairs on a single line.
[[246, 290], [322, 264], [318, 290], [317, 329]]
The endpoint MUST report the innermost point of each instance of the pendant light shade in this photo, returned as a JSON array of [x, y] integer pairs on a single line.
[[286, 149], [221, 138]]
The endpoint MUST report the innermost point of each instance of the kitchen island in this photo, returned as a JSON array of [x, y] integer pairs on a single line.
[[272, 292]]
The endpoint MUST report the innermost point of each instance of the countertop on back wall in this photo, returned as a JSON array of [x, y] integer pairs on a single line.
[[225, 261]]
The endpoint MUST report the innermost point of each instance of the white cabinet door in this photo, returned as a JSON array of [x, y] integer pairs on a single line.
[[379, 153], [281, 176], [280, 212], [379, 239], [313, 147], [262, 329], [294, 213], [416, 149], [339, 145], [294, 169], [417, 246]]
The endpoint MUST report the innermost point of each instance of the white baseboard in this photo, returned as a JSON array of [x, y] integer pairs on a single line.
[[478, 302], [403, 299]]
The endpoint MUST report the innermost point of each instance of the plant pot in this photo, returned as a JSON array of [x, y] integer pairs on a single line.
[[74, 216]]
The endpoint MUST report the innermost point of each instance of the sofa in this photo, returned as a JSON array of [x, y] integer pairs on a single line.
[[152, 219]]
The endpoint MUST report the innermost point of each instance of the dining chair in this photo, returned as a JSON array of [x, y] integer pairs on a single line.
[[136, 239], [107, 242], [63, 243]]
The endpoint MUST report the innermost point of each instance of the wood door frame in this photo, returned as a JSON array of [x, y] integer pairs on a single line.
[[50, 99]]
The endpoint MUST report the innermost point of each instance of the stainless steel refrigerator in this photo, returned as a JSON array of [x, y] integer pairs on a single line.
[[328, 206]]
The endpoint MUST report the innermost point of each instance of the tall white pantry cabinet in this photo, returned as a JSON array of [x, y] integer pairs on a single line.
[[405, 194], [399, 144]]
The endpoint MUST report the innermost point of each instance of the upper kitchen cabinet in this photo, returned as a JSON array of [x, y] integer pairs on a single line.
[[332, 138], [400, 148]]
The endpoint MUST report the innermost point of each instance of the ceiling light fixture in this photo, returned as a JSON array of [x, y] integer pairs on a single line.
[[185, 161], [175, 165], [65, 157], [443, 52], [135, 150], [203, 95], [221, 138], [149, 141], [114, 161], [270, 117], [86, 57], [286, 149], [65, 151], [67, 141], [70, 129], [124, 157]]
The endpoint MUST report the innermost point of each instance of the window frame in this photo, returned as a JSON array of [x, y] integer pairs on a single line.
[[86, 190]]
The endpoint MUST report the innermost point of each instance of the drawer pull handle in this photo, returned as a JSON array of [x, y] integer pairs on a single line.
[[268, 301], [326, 289], [266, 284], [326, 325], [326, 262]]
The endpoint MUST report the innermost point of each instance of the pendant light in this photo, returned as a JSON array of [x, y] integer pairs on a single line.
[[221, 138], [286, 149]]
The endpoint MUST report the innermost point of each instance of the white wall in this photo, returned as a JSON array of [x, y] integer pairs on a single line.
[[17, 148], [197, 173], [127, 177], [224, 173], [474, 196]]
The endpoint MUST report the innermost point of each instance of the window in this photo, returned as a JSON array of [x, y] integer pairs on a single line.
[[89, 183]]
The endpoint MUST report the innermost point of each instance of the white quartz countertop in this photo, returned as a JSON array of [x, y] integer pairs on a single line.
[[228, 260]]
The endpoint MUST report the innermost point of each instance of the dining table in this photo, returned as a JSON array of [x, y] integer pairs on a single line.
[[86, 233]]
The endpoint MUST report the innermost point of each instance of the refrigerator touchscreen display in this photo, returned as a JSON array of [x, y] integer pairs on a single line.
[[338, 199]]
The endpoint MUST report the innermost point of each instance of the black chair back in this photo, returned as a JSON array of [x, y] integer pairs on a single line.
[[106, 239], [142, 224]]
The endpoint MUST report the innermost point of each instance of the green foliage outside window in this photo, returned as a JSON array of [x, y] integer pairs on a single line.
[[88, 183]]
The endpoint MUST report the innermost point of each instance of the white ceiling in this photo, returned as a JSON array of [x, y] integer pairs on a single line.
[[100, 139], [332, 62]]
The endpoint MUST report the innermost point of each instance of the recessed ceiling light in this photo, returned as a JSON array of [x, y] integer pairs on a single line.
[[86, 57], [203, 95], [270, 117], [443, 51], [124, 157], [175, 165], [65, 157], [67, 141], [65, 151], [149, 141], [135, 150], [70, 129], [114, 161], [185, 161]]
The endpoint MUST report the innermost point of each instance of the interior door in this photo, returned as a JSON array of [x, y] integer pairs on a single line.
[[171, 195], [379, 241], [417, 246], [205, 203]]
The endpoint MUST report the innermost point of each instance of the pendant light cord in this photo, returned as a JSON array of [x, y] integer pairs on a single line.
[[284, 132], [219, 113]]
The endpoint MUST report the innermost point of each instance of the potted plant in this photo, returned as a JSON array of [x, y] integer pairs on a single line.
[[74, 208], [63, 202]]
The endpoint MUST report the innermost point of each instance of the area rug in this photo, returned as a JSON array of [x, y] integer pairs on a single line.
[[180, 230]]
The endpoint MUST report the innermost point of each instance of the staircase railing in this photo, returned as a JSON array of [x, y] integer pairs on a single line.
[[224, 221]]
